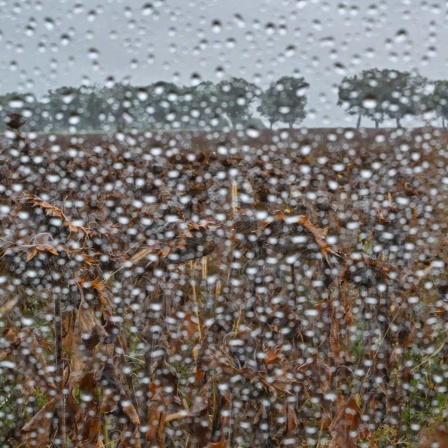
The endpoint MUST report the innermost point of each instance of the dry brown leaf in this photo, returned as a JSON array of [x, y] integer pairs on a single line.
[[157, 415], [347, 426], [130, 439], [221, 444], [47, 248], [31, 253], [130, 411], [85, 324], [177, 416], [88, 412], [271, 355], [37, 430], [437, 437]]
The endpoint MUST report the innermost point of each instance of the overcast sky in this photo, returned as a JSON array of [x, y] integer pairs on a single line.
[[45, 44]]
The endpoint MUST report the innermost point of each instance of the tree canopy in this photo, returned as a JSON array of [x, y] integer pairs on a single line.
[[235, 97], [284, 100], [380, 94]]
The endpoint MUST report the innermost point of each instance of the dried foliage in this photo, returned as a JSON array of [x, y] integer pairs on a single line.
[[271, 296]]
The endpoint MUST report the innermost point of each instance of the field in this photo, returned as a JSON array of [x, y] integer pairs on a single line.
[[241, 289]]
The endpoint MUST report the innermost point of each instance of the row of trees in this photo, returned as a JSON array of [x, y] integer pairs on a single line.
[[393, 94], [161, 105], [374, 94]]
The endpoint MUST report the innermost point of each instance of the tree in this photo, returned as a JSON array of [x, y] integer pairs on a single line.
[[378, 94], [284, 100], [402, 93], [235, 97], [21, 103], [350, 97], [437, 101]]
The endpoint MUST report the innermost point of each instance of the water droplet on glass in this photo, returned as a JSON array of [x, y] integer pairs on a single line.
[[91, 16], [65, 39], [216, 26], [110, 81], [230, 42], [252, 132], [269, 29], [369, 103], [78, 8], [290, 51], [238, 19], [74, 119], [366, 174], [93, 53], [219, 72], [16, 103], [401, 36], [49, 23], [147, 9], [340, 69], [195, 79], [67, 98]]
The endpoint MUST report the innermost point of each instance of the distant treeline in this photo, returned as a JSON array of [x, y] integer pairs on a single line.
[[160, 105], [374, 94]]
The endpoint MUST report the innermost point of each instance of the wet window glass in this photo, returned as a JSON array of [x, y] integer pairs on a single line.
[[223, 223]]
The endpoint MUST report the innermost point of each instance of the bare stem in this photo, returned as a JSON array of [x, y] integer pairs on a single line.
[[59, 369]]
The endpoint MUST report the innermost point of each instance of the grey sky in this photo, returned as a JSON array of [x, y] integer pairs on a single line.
[[49, 43]]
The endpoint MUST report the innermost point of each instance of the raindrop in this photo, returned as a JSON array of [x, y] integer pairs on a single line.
[[340, 69], [252, 132], [93, 53], [338, 167], [216, 26], [432, 51], [195, 79], [333, 185], [327, 42], [78, 8], [53, 178], [238, 19], [16, 103], [369, 103], [142, 95], [147, 9], [67, 98], [65, 39], [219, 72], [269, 29], [230, 42], [290, 51], [305, 150], [49, 23], [110, 81], [74, 119], [401, 36], [366, 174], [91, 16]]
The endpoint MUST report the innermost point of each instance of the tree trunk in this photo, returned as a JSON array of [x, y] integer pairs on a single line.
[[358, 124], [271, 123], [377, 124], [290, 125], [443, 122], [398, 123]]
